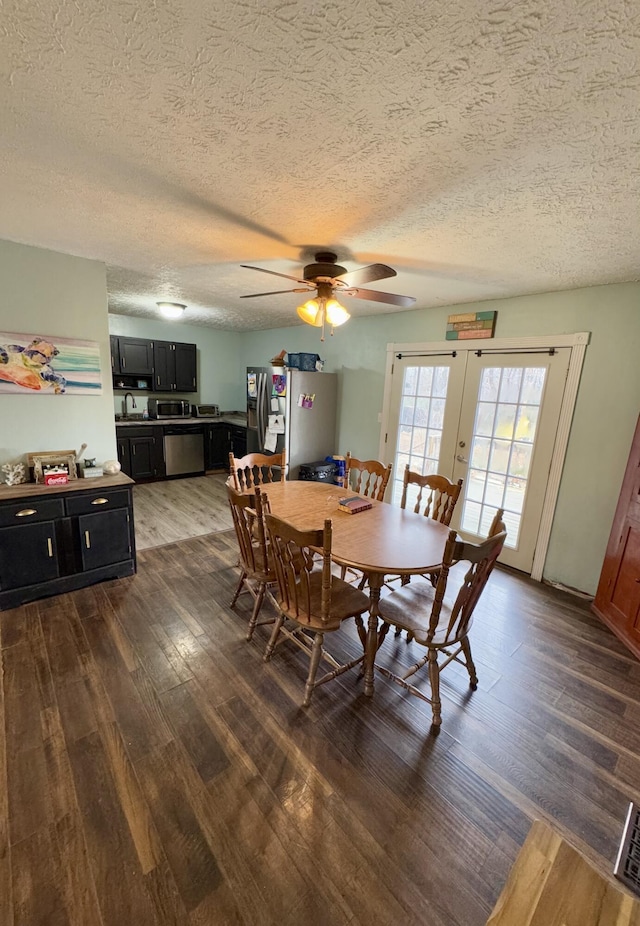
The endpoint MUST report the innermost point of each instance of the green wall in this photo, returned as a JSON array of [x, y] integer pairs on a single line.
[[49, 294], [219, 381], [604, 421]]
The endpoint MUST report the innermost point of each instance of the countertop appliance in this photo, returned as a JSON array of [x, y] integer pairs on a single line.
[[184, 450], [305, 405], [169, 408], [205, 411]]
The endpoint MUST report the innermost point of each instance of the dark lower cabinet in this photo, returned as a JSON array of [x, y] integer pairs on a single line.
[[140, 451], [216, 446], [54, 543], [104, 538], [238, 441], [28, 555]]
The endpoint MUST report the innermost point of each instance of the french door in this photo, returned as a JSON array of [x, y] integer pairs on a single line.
[[490, 418]]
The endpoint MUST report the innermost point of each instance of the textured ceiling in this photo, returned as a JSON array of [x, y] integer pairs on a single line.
[[483, 150]]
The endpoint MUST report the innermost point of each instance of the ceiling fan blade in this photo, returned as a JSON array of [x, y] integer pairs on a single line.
[[374, 296], [273, 273], [276, 293], [367, 274]]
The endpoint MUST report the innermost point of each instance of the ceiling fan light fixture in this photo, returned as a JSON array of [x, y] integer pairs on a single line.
[[171, 309], [310, 313], [335, 313]]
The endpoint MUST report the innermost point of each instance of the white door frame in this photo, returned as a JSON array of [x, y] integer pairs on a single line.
[[577, 342]]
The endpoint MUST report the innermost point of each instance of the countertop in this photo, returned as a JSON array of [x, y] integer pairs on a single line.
[[237, 420], [32, 489]]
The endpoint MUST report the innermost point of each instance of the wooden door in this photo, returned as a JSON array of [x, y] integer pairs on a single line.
[[105, 538], [617, 599], [28, 555], [142, 457]]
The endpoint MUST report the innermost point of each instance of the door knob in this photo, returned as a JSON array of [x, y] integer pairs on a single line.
[[461, 459]]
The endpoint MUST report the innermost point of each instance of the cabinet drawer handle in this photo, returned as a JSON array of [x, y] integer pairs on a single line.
[[26, 512], [158, 379], [87, 540], [50, 547], [124, 361], [100, 501]]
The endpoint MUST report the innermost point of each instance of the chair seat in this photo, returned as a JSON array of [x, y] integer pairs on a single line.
[[346, 601], [409, 608]]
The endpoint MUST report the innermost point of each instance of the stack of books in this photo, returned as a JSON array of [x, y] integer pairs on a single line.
[[354, 503]]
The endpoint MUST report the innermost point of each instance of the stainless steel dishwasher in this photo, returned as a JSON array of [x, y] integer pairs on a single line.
[[184, 449]]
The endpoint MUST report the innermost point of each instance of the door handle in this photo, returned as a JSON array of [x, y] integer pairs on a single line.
[[461, 459], [49, 547], [87, 540]]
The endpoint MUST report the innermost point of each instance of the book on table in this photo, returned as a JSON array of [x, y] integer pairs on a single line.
[[354, 504]]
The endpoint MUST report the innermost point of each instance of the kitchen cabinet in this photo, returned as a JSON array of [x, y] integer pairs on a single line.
[[236, 441], [617, 600], [56, 539], [131, 356], [140, 451], [216, 446], [174, 367]]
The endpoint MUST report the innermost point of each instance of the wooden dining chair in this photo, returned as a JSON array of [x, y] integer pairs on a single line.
[[436, 498], [367, 477], [256, 469], [256, 573], [311, 600], [440, 619]]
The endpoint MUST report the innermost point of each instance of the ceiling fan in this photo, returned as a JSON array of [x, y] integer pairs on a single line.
[[329, 280]]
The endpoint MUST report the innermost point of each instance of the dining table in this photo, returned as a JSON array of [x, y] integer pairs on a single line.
[[384, 540]]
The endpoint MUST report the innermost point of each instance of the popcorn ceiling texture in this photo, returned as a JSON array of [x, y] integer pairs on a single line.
[[483, 150]]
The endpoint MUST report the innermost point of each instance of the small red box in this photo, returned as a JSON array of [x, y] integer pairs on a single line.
[[56, 479]]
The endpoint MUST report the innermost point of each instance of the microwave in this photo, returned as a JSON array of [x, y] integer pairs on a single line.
[[205, 411], [169, 408]]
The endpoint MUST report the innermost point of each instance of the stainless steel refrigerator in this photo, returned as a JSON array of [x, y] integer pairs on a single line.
[[301, 405]]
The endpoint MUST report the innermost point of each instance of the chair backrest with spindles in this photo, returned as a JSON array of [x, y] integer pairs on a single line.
[[367, 477], [256, 469], [248, 524], [436, 498], [293, 557]]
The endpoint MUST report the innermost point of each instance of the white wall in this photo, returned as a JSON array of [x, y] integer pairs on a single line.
[[604, 420], [220, 377], [50, 294]]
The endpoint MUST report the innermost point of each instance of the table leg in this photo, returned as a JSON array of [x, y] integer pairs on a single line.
[[375, 584]]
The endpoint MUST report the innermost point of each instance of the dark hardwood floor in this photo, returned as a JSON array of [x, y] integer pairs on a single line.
[[158, 772]]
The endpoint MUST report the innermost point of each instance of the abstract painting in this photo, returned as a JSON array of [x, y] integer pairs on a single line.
[[48, 365]]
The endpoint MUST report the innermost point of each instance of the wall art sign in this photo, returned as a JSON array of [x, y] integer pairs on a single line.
[[469, 325], [48, 365]]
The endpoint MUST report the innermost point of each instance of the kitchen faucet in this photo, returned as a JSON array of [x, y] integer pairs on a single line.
[[124, 403]]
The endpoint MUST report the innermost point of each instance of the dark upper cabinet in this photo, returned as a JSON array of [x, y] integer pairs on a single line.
[[174, 367], [185, 357], [132, 356]]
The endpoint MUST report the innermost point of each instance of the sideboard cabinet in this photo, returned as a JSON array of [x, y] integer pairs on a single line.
[[56, 539]]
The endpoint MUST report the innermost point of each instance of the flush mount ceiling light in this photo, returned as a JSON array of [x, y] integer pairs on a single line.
[[171, 309]]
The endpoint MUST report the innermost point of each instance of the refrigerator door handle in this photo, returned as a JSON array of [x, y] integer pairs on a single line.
[[262, 420]]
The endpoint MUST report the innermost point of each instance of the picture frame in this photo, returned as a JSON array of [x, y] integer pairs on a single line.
[[43, 462]]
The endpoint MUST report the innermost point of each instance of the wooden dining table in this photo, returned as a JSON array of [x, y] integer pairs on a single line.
[[384, 540]]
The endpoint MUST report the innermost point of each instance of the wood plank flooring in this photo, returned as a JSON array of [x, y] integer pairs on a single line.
[[153, 770], [177, 509]]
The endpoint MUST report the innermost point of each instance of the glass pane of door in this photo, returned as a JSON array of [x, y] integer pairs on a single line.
[[506, 433], [425, 397], [500, 453]]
